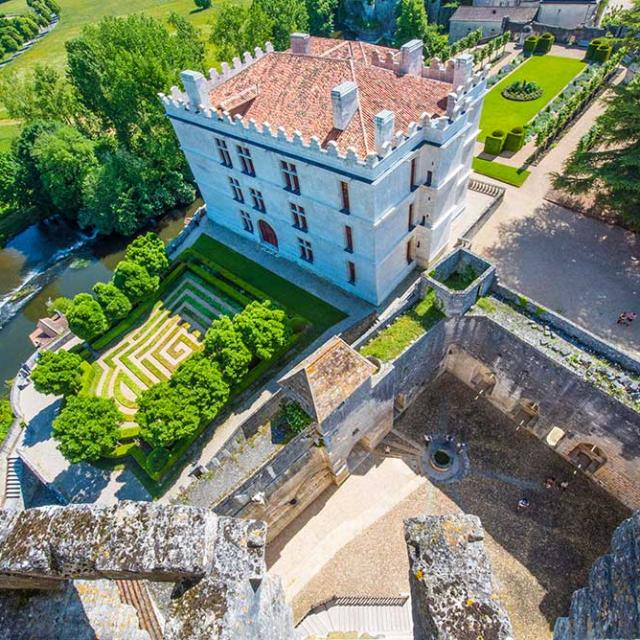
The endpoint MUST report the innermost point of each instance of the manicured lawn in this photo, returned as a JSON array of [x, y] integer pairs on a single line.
[[9, 130], [395, 338], [552, 73], [281, 291], [502, 172]]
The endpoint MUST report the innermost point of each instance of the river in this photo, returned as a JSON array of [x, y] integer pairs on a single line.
[[50, 260]]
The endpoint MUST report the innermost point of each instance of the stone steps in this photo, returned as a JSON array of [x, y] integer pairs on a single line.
[[135, 594], [609, 606]]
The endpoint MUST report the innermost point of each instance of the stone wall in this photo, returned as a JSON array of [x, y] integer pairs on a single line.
[[581, 35]]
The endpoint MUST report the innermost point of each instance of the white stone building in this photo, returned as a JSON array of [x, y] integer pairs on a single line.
[[349, 159]]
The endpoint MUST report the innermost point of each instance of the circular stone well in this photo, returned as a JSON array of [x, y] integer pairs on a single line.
[[442, 462]]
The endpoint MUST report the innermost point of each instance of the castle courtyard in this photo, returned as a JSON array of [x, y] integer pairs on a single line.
[[539, 555]]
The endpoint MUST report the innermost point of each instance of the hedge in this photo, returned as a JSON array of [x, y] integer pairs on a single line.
[[530, 44], [544, 43], [494, 143], [602, 53], [515, 139]]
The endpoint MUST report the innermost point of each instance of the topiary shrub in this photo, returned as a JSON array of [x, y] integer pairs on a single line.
[[530, 44], [544, 43], [602, 53], [522, 91], [157, 458], [591, 49], [515, 139], [494, 143]]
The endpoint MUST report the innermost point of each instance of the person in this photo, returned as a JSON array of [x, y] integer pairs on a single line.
[[631, 316], [622, 318], [427, 440], [564, 485], [550, 482], [387, 449], [523, 504]]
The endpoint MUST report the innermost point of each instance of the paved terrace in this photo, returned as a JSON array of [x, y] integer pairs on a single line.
[[538, 556]]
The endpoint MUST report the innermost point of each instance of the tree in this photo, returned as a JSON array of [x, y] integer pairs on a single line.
[[6, 418], [203, 4], [87, 428], [287, 16], [411, 21], [63, 158], [61, 305], [58, 373], [164, 415], [135, 281], [611, 167], [223, 343], [86, 317], [321, 16], [262, 328], [8, 43], [227, 32], [113, 302], [148, 250], [200, 381]]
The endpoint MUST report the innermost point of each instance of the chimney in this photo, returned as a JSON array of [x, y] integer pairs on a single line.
[[344, 100], [411, 58], [462, 70], [384, 123], [300, 43], [196, 86]]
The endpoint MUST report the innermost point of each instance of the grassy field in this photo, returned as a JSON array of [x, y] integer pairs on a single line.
[[499, 171], [552, 73]]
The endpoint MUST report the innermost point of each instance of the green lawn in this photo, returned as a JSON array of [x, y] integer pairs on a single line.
[[395, 338], [8, 131], [502, 172], [552, 73], [321, 314]]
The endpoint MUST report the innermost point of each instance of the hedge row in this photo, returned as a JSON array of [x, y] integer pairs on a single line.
[[500, 141]]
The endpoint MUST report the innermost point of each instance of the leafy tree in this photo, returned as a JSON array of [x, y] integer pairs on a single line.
[[610, 168], [411, 23], [223, 343], [321, 16], [262, 327], [87, 428], [58, 373], [256, 30], [287, 16], [200, 381], [61, 305], [63, 158], [148, 250], [227, 31], [9, 43], [135, 281], [6, 418], [165, 415], [9, 169], [86, 317], [203, 4], [113, 302]]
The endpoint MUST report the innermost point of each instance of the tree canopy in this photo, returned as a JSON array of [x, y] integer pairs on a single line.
[[113, 302], [58, 373], [224, 344], [148, 250], [86, 317], [134, 281], [609, 166], [262, 327], [87, 428], [322, 16], [412, 23]]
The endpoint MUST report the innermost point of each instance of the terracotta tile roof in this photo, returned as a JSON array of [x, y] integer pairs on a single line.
[[294, 92]]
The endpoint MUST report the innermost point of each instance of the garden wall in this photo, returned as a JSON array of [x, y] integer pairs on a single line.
[[562, 35]]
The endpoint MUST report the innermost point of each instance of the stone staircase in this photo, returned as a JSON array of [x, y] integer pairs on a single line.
[[397, 445], [608, 607], [135, 594], [487, 188], [13, 489], [347, 617]]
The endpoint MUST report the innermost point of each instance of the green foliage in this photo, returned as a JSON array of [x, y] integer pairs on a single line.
[[58, 373], [263, 328], [158, 457], [486, 305], [515, 139], [114, 303], [286, 16], [544, 43], [148, 250], [297, 419], [459, 280], [322, 15], [61, 305], [86, 317], [530, 44], [610, 169], [502, 172], [224, 344], [87, 428], [411, 23], [6, 419], [203, 4], [135, 281], [522, 90], [494, 143]]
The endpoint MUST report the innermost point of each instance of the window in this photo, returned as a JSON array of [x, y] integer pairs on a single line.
[[258, 200], [245, 160], [410, 251], [429, 178], [223, 152], [236, 190], [299, 217], [412, 184], [247, 223], [290, 174], [306, 252], [351, 271], [411, 216], [348, 239], [344, 192]]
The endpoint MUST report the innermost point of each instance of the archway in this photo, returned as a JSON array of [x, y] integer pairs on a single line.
[[267, 234]]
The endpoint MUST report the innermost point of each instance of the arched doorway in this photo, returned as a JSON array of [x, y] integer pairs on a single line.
[[267, 234]]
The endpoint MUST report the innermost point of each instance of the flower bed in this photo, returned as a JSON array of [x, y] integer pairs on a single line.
[[523, 91]]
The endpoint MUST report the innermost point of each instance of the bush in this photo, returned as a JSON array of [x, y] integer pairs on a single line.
[[297, 419], [157, 458], [58, 373], [530, 44], [148, 251], [602, 53], [522, 91], [593, 45], [544, 43], [6, 418], [86, 317], [135, 281], [494, 143], [514, 140], [113, 302]]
